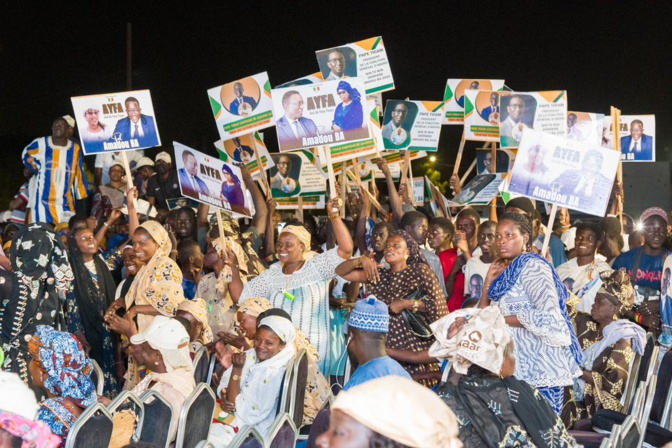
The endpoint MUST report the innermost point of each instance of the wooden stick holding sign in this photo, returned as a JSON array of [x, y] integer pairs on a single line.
[[439, 198], [458, 159], [549, 229], [299, 211], [262, 172], [616, 125], [333, 192], [344, 182], [129, 176], [493, 204]]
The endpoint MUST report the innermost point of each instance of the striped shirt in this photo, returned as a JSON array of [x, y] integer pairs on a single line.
[[58, 179]]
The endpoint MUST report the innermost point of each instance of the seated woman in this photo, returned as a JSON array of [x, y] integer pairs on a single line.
[[249, 316], [164, 348], [251, 387], [61, 369], [609, 343], [391, 412], [481, 383]]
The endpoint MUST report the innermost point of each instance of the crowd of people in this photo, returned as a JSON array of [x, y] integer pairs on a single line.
[[451, 331]]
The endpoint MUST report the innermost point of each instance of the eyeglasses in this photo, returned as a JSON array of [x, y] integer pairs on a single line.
[[342, 92], [92, 112], [398, 112], [335, 60]]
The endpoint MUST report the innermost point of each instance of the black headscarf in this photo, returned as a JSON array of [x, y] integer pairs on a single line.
[[415, 256], [92, 300]]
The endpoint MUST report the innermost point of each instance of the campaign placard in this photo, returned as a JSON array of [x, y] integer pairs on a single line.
[[211, 181], [241, 150], [296, 174], [564, 172], [585, 127], [350, 151], [434, 196], [412, 125], [638, 134], [366, 59], [505, 158], [330, 113], [481, 115], [542, 111], [453, 96], [480, 190], [242, 106], [418, 190], [121, 121]]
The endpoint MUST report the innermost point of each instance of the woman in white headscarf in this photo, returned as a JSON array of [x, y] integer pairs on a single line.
[[251, 387]]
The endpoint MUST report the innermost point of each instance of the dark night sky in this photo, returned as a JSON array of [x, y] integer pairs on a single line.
[[602, 53]]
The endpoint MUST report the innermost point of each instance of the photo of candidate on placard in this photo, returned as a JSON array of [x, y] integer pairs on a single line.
[[473, 188], [564, 172], [398, 118], [176, 203], [484, 161], [211, 181], [285, 174], [516, 114], [241, 150], [337, 63], [638, 135], [242, 106], [116, 121], [330, 113], [585, 127], [454, 95]]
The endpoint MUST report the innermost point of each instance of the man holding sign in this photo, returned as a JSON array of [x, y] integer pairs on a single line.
[[292, 127]]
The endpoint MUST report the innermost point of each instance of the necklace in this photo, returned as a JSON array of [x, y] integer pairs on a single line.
[[288, 277]]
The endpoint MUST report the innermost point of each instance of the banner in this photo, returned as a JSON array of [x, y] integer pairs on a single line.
[[296, 174], [505, 158], [119, 121], [333, 112], [453, 96], [638, 134], [480, 190], [481, 115], [564, 172], [542, 111], [241, 150], [242, 106], [366, 59], [412, 125], [585, 127], [211, 181]]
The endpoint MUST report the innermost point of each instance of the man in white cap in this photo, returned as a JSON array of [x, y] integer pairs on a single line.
[[367, 329], [145, 169], [104, 161], [165, 185]]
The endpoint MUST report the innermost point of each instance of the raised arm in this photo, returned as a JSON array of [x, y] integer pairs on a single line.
[[364, 213], [269, 234], [133, 221], [260, 218], [341, 231], [395, 200]]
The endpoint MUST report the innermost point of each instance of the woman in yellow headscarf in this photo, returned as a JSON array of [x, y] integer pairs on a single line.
[[157, 288]]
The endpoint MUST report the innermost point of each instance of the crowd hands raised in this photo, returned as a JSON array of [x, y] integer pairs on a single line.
[[443, 314]]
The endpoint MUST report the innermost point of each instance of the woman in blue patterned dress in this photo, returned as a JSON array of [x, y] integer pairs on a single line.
[[532, 300], [61, 368], [348, 114]]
